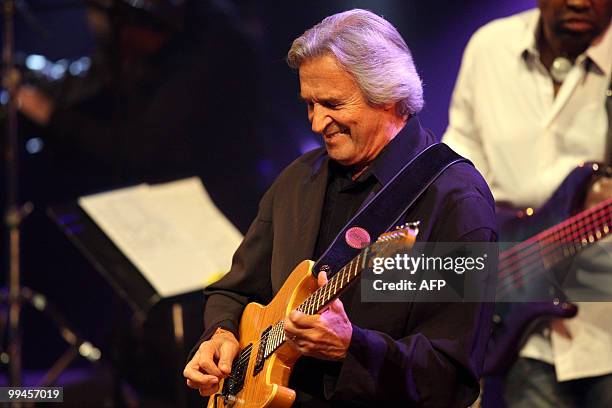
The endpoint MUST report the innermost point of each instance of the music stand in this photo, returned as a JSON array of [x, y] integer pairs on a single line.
[[131, 286]]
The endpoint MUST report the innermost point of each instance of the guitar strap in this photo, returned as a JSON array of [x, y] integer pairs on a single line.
[[389, 205]]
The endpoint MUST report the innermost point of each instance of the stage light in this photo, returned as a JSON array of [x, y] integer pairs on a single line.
[[58, 69], [36, 62], [80, 66], [89, 351], [34, 145]]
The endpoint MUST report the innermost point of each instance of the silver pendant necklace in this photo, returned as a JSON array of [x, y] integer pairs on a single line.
[[559, 69]]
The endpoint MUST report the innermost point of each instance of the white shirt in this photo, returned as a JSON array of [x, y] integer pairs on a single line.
[[505, 118]]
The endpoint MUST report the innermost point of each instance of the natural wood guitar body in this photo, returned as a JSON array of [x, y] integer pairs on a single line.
[[269, 387], [260, 372]]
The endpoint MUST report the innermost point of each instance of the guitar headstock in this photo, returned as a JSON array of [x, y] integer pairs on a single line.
[[599, 169], [401, 238]]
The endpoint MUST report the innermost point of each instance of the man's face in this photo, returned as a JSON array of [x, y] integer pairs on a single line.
[[353, 131], [576, 23]]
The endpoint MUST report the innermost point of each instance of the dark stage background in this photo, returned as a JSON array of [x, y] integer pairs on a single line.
[[435, 30]]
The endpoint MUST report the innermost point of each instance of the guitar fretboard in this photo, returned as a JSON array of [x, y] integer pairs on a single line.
[[322, 296], [275, 335], [550, 247], [319, 298]]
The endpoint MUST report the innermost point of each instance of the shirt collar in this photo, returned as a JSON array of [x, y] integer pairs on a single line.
[[527, 44], [600, 52], [410, 141]]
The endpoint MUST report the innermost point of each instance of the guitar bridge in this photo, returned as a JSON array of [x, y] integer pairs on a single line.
[[235, 382]]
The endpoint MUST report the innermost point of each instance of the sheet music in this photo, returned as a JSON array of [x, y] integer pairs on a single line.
[[173, 233]]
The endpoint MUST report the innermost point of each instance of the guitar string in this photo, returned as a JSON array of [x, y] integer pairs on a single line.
[[244, 357], [255, 344], [521, 270], [325, 296], [578, 216], [571, 230], [571, 223], [573, 233], [280, 339], [566, 230], [577, 234], [551, 253]]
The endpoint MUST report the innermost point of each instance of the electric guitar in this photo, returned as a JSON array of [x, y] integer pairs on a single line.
[[260, 372], [523, 263]]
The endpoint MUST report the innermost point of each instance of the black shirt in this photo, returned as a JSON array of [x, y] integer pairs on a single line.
[[399, 351], [343, 198]]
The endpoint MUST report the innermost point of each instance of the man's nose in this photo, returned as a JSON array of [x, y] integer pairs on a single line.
[[319, 119], [578, 5]]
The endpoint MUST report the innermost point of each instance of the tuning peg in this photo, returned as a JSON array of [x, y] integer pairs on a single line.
[[409, 225]]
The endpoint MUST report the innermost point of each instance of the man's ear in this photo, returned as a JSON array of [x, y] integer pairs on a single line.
[[389, 106]]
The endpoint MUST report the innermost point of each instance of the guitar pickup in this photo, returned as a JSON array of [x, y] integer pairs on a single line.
[[261, 356], [234, 383]]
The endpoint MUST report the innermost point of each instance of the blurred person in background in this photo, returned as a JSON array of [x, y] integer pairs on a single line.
[[170, 93], [529, 106]]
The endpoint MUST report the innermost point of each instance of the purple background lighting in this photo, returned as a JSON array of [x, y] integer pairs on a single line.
[[436, 31]]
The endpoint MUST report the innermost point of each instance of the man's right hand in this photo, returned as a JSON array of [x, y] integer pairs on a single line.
[[600, 191], [212, 362]]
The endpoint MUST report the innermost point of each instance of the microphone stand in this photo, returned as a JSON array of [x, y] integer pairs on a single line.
[[14, 212], [14, 215]]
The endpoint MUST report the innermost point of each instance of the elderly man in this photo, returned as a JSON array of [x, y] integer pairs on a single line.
[[362, 93], [528, 107]]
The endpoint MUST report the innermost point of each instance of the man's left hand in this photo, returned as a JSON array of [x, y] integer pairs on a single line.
[[325, 336]]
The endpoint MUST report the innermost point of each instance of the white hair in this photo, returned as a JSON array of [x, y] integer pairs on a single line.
[[369, 48]]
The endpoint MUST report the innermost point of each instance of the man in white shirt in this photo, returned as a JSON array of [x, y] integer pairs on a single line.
[[528, 107]]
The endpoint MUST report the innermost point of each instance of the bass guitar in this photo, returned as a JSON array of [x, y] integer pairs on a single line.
[[260, 372], [520, 265]]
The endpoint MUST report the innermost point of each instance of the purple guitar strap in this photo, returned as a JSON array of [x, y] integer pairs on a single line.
[[389, 205]]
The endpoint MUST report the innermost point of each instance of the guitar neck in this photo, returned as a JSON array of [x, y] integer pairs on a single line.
[[403, 238], [336, 285], [563, 241], [275, 335]]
